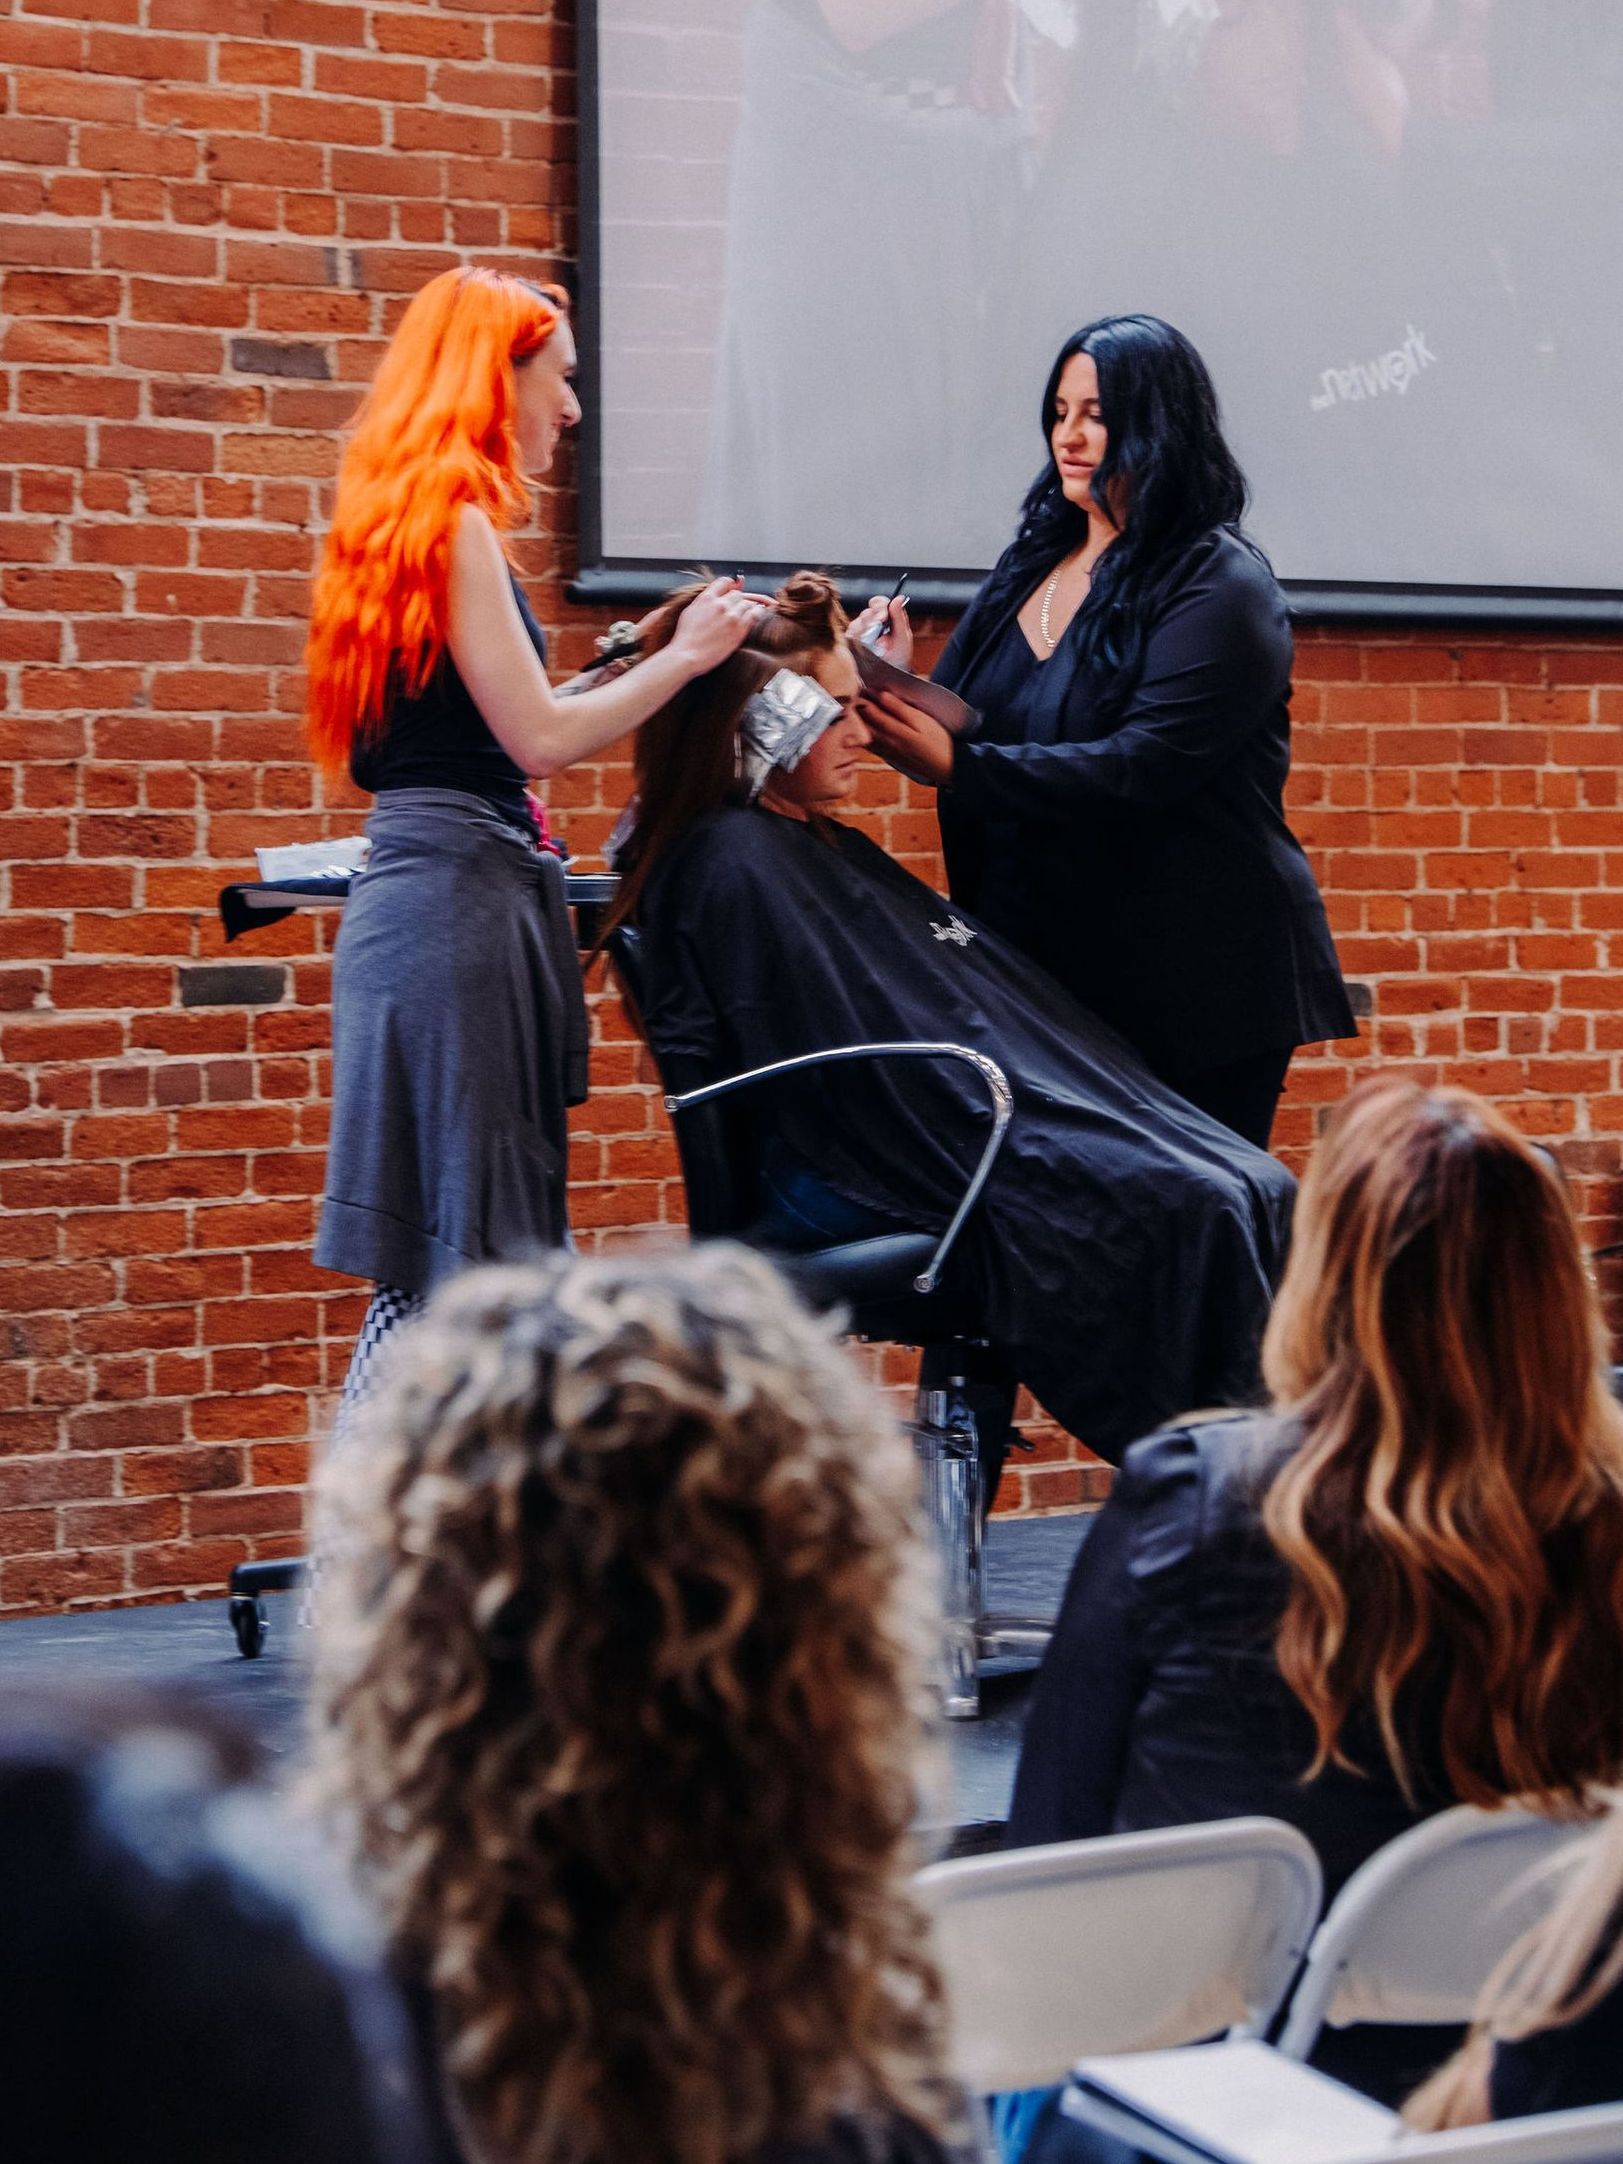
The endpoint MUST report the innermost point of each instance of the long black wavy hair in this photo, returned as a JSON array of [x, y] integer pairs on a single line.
[[1166, 465]]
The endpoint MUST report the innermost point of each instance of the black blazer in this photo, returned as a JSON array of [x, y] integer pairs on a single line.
[[1166, 891], [1160, 1702]]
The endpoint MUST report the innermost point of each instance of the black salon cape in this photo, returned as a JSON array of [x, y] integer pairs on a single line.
[[1126, 1246]]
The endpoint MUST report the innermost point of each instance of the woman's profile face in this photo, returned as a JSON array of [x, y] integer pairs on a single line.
[[1078, 439], [545, 401], [830, 771]]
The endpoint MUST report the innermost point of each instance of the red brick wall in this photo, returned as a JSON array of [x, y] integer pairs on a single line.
[[214, 209]]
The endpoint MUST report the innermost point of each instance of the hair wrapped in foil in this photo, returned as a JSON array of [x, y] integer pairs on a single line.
[[781, 724]]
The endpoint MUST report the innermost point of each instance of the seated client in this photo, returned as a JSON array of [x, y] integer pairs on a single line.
[[1124, 1253]]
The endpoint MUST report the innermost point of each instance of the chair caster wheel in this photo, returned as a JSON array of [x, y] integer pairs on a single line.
[[248, 1623]]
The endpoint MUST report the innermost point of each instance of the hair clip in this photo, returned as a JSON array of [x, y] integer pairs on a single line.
[[781, 724], [619, 643]]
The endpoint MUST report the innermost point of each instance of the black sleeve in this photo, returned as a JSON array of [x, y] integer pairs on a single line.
[[1564, 2068], [1216, 663], [1124, 1594]]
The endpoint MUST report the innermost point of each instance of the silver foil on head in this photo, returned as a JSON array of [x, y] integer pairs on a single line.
[[781, 724]]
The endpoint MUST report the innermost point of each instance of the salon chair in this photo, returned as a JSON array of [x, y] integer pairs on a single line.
[[899, 1288]]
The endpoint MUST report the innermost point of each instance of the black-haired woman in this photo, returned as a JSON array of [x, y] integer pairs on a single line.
[[1119, 814]]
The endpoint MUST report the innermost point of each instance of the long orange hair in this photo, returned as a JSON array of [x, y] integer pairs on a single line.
[[435, 432], [1452, 1511]]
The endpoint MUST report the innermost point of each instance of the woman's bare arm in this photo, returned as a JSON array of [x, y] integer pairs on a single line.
[[539, 731]]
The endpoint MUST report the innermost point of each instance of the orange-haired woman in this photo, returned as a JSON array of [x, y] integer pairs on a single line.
[[459, 1032]]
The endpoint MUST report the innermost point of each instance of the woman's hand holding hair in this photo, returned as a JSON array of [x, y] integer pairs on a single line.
[[715, 624], [542, 732], [909, 739]]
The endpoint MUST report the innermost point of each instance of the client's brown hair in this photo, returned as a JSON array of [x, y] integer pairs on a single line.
[[686, 760], [619, 1677], [1453, 1510]]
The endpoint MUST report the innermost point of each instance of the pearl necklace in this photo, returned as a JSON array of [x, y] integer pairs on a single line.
[[1049, 591]]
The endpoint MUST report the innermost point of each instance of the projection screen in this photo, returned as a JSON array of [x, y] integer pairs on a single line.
[[830, 248]]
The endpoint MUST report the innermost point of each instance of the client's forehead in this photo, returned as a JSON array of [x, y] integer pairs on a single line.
[[836, 672]]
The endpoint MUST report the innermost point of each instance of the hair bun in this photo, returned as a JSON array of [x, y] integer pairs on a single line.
[[811, 598]]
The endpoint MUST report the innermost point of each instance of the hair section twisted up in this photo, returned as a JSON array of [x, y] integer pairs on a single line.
[[686, 757]]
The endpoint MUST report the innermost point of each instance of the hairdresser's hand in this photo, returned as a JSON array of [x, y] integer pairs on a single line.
[[896, 642], [909, 739], [714, 624]]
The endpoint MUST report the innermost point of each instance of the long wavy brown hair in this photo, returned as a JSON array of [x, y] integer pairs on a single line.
[[686, 760], [619, 1683], [1453, 1509], [1555, 1973]]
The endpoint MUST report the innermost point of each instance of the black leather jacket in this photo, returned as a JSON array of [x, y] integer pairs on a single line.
[[1160, 1703]]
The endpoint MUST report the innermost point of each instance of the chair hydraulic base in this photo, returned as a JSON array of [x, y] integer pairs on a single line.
[[249, 1581], [948, 1448]]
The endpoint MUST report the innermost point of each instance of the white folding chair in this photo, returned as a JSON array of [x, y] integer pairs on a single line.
[[1416, 1931], [1594, 2136], [1120, 1944], [1272, 2107]]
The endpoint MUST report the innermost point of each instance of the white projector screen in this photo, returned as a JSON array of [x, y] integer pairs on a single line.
[[831, 246]]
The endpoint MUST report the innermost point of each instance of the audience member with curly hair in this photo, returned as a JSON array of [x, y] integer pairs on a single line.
[[620, 1690]]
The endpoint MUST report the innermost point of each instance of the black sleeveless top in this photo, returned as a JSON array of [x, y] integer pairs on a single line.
[[440, 740]]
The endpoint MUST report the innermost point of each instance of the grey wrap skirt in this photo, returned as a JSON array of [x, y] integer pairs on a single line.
[[459, 1038]]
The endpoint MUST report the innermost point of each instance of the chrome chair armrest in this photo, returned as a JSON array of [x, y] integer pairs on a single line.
[[997, 1086]]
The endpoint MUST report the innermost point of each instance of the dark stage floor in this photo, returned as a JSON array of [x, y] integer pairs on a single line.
[[191, 1645]]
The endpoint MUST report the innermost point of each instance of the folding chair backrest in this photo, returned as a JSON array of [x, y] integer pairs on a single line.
[[1119, 1944], [1416, 1932], [1593, 2136]]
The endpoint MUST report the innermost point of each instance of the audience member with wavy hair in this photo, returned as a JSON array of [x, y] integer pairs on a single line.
[[1400, 1587], [619, 1686], [459, 1024]]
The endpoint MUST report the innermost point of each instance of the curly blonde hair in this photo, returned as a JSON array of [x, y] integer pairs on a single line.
[[619, 1682]]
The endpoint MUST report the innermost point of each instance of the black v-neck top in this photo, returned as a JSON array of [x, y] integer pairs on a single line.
[[1018, 698]]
